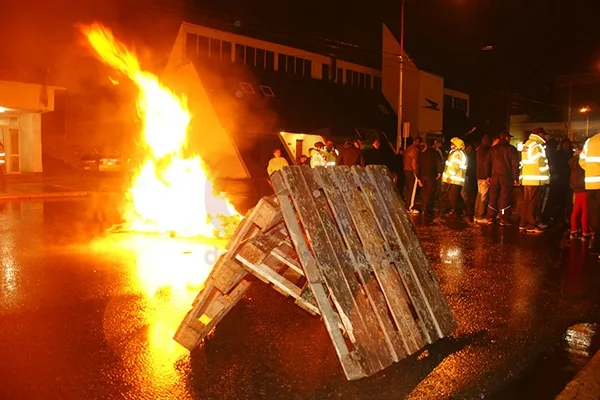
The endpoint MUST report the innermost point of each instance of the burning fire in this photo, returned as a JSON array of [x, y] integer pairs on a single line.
[[170, 191]]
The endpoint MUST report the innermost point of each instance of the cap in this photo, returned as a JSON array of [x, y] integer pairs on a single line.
[[539, 130]]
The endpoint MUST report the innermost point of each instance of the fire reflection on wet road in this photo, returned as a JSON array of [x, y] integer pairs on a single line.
[[85, 314]]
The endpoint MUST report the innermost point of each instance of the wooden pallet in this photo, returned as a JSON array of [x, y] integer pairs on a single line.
[[259, 246], [339, 241], [364, 264]]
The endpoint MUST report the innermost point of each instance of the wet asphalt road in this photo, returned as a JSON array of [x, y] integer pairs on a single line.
[[89, 315]]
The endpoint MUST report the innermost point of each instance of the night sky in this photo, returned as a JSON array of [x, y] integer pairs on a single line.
[[533, 39]]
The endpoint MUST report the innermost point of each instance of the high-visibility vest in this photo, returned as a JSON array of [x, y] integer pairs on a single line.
[[456, 168], [317, 159], [330, 157], [589, 159], [534, 163]]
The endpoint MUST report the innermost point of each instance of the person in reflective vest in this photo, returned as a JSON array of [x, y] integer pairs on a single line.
[[535, 174], [2, 168], [317, 159], [331, 154], [455, 172], [589, 160]]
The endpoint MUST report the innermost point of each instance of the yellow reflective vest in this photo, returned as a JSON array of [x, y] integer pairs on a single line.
[[317, 159], [589, 159], [456, 167], [534, 163]]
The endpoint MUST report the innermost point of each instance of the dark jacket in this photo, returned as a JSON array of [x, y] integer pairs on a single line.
[[429, 164], [349, 156], [503, 160], [577, 177], [410, 157], [483, 153]]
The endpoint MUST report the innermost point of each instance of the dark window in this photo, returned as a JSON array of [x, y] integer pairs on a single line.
[[290, 64], [226, 51], [191, 44], [448, 101], [348, 77], [325, 72], [355, 79], [250, 56], [461, 104], [247, 88], [260, 58], [269, 61], [281, 59], [361, 80], [239, 53], [340, 75], [215, 49], [203, 46], [308, 68], [368, 81], [299, 66], [377, 84], [267, 91]]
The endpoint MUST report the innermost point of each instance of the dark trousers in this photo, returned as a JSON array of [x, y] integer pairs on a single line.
[[2, 178], [428, 194], [530, 209], [454, 197], [500, 197], [410, 189]]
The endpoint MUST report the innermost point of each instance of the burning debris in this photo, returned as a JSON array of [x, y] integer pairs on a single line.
[[171, 192]]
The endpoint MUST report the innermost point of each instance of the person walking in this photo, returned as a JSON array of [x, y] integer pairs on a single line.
[[535, 175], [503, 166], [411, 156], [482, 173], [579, 215], [429, 171], [455, 172]]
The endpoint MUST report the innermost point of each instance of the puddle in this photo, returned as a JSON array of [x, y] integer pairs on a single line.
[[554, 369]]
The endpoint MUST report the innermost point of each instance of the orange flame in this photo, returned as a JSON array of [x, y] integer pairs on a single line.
[[170, 191]]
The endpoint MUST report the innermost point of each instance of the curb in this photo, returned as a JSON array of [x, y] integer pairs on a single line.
[[31, 196], [586, 385]]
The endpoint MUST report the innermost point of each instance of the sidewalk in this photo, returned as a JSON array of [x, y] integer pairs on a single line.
[[586, 385], [38, 186]]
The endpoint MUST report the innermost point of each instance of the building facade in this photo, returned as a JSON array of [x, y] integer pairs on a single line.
[[21, 109]]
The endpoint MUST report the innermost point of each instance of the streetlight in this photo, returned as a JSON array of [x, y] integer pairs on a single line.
[[586, 110], [399, 133]]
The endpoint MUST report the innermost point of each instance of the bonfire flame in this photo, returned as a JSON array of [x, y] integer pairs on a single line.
[[170, 192]]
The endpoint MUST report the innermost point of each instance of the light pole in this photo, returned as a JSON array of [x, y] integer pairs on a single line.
[[400, 134], [586, 110]]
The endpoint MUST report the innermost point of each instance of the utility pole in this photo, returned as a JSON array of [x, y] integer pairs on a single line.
[[400, 134]]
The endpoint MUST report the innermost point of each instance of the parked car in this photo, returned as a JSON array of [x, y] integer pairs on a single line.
[[105, 163]]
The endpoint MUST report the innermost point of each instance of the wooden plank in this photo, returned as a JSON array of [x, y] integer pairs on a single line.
[[421, 281], [351, 366], [336, 268], [372, 243], [341, 210], [262, 270], [227, 273]]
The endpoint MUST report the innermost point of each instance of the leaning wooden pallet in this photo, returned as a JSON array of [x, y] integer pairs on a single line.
[[338, 241]]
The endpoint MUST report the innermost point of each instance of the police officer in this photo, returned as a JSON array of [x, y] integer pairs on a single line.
[[535, 175]]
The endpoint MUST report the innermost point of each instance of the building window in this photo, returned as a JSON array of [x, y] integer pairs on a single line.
[[250, 56], [325, 72], [281, 60], [361, 80], [348, 77], [203, 46], [461, 104], [267, 91], [226, 51], [247, 88], [340, 75], [368, 81], [377, 84], [290, 64], [215, 49], [308, 68], [448, 101], [269, 61], [191, 45], [299, 66], [355, 79], [260, 58], [239, 53]]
